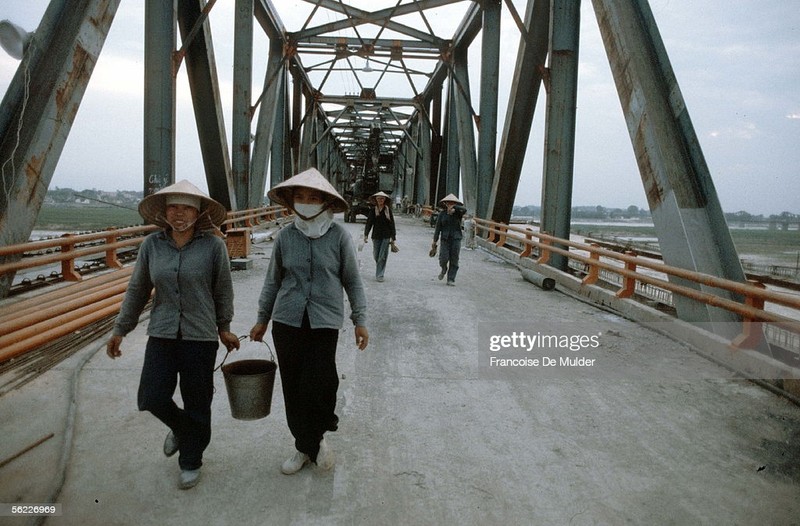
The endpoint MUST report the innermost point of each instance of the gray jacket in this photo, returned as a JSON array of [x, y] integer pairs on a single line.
[[310, 274], [193, 288]]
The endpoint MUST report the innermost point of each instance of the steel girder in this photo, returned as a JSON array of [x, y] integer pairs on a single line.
[[241, 124], [528, 73], [560, 123], [273, 105], [450, 164], [487, 129], [437, 150], [159, 94], [424, 170], [40, 106], [201, 70], [466, 132], [686, 212]]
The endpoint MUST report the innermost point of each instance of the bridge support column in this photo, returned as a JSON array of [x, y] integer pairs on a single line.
[[560, 123], [531, 56], [159, 95], [466, 132], [686, 211], [242, 100], [269, 115], [42, 101], [490, 80]]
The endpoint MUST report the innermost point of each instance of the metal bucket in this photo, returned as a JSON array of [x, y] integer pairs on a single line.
[[249, 384]]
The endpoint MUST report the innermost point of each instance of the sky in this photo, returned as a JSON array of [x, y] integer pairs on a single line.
[[737, 63]]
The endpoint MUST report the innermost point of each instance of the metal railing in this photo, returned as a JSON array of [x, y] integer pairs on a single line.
[[629, 278], [255, 217], [70, 247]]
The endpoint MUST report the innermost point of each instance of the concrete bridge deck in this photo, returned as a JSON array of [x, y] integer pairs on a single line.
[[427, 434]]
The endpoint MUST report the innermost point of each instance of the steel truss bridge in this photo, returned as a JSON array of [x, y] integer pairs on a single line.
[[434, 138]]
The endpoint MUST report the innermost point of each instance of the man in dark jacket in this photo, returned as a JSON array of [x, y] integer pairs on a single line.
[[448, 225]]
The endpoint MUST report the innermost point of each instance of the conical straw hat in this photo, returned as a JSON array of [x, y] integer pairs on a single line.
[[281, 193], [373, 198], [451, 198], [153, 208]]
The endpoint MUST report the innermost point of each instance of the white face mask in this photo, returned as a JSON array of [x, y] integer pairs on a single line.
[[307, 212], [312, 220]]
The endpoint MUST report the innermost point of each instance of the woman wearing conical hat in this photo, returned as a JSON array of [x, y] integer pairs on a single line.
[[313, 261], [380, 220], [187, 266], [448, 226]]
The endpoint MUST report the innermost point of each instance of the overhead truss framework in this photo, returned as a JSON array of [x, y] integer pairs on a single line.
[[357, 71], [382, 81]]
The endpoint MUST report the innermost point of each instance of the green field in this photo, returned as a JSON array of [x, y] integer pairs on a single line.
[[780, 247], [85, 218]]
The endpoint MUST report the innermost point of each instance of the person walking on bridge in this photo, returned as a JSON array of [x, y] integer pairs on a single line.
[[313, 260], [448, 226], [380, 220], [188, 267]]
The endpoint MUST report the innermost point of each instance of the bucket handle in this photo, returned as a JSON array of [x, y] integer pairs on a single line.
[[242, 338]]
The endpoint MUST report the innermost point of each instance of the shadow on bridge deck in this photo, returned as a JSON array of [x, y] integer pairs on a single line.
[[427, 434]]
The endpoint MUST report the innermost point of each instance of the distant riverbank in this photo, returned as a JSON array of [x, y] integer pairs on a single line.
[[85, 218]]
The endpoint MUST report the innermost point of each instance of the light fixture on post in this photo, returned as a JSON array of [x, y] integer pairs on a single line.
[[14, 39]]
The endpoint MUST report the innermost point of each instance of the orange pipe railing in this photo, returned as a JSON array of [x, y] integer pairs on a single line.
[[755, 296]]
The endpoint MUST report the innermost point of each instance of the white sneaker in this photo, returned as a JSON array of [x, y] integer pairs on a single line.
[[294, 464], [189, 478], [325, 458]]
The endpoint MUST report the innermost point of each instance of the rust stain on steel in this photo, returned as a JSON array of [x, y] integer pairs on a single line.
[[618, 60], [687, 185], [106, 16], [652, 187], [624, 87], [78, 76], [33, 172]]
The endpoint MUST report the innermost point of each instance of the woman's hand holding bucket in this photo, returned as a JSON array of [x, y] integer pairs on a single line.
[[258, 331], [229, 340]]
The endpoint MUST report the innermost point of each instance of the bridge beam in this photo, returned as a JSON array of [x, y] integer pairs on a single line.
[[201, 70], [159, 95], [273, 104], [241, 124], [424, 161], [449, 167], [560, 123], [686, 211], [490, 81], [530, 66], [467, 156], [40, 106]]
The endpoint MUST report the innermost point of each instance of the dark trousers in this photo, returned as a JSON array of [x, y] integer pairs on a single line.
[[165, 361], [307, 361], [448, 257], [380, 252]]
